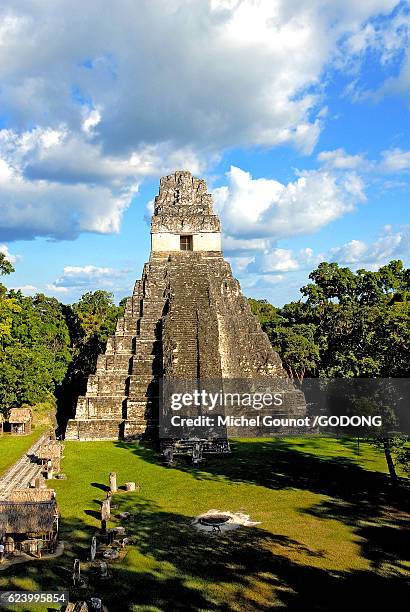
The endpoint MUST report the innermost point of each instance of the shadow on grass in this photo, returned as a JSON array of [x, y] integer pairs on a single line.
[[360, 498], [175, 567], [98, 485], [277, 464], [93, 513]]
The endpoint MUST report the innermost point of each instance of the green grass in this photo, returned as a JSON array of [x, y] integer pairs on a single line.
[[12, 447], [329, 523]]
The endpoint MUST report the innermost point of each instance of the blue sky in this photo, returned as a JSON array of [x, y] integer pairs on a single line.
[[296, 114]]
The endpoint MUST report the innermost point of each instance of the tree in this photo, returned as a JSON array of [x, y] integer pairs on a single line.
[[8, 306], [39, 325], [34, 346], [5, 266], [379, 399], [290, 336], [97, 315], [297, 347], [24, 378], [349, 325], [90, 322], [266, 313]]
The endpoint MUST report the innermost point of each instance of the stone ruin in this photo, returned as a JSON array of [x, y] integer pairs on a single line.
[[187, 319]]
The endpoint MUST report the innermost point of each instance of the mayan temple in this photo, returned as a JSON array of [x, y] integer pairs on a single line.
[[187, 318]]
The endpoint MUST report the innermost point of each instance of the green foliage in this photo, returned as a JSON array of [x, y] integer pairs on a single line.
[[8, 306], [297, 347], [34, 347], [90, 322], [24, 377], [48, 349], [266, 313], [5, 266], [402, 452], [97, 315], [39, 325], [350, 324]]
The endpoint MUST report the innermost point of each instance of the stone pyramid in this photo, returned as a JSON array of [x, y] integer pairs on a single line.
[[187, 318]]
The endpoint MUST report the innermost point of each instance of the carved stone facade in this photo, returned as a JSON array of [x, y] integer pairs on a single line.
[[187, 318]]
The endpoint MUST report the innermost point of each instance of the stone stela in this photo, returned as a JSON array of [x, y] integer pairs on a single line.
[[187, 319]]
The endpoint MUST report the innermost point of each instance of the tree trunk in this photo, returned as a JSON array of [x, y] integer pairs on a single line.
[[301, 376], [389, 460]]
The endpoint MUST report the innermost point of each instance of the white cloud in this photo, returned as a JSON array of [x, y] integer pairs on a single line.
[[240, 263], [57, 184], [262, 281], [350, 252], [389, 245], [88, 276], [276, 260], [9, 256], [271, 279], [258, 208], [150, 87], [340, 160], [237, 247], [391, 161], [387, 40], [30, 209], [142, 83], [395, 160], [56, 289], [91, 119], [26, 289]]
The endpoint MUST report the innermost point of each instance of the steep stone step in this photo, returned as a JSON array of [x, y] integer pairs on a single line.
[[98, 429], [108, 384], [120, 344], [114, 362], [100, 406]]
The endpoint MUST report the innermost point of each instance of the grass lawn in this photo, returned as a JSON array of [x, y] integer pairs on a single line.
[[329, 537], [12, 447]]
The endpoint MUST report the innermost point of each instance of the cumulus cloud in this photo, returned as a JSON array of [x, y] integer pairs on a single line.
[[9, 256], [276, 260], [391, 161], [152, 86], [237, 247], [263, 268], [265, 208], [26, 289], [115, 96], [87, 277], [351, 252], [338, 159], [56, 289], [389, 245], [57, 184]]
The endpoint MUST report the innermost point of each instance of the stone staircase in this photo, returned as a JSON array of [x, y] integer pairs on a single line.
[[186, 319]]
